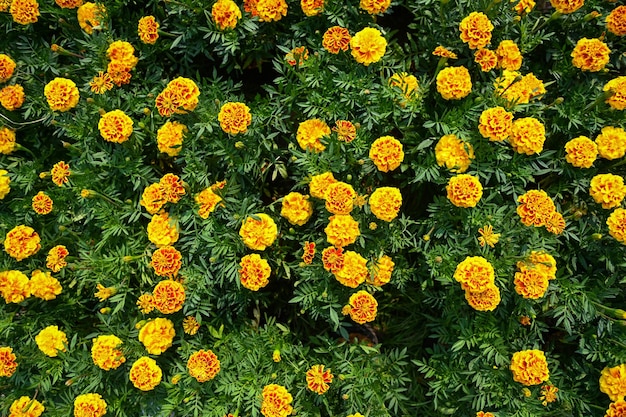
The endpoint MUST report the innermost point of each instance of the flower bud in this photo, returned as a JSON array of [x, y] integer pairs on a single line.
[[146, 111], [239, 145], [596, 236], [105, 310]]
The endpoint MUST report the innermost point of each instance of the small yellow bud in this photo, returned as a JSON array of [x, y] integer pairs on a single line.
[[176, 378], [85, 193], [274, 376], [239, 145], [349, 177], [426, 238], [141, 124], [102, 111], [43, 175], [373, 226], [127, 258], [90, 100], [147, 112], [526, 392], [105, 310], [345, 396], [596, 236], [69, 382], [140, 324]]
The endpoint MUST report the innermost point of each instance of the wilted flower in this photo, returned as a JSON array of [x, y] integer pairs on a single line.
[[297, 56]]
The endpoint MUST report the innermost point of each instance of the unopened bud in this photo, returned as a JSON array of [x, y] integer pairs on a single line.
[[102, 111], [438, 259], [596, 236], [146, 111], [105, 310], [239, 145]]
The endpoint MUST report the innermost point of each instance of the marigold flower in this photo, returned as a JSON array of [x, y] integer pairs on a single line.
[[166, 261], [225, 14], [162, 231], [203, 365], [249, 6], [7, 361], [608, 190], [276, 355], [548, 394], [297, 56], [342, 230], [486, 58], [454, 83], [7, 140], [51, 340], [157, 335], [555, 223], [60, 173], [368, 46], [115, 126], [43, 285], [517, 89], [207, 200], [475, 274], [7, 67], [531, 283], [312, 7], [381, 271], [618, 87], [258, 234], [255, 272], [101, 83], [145, 303], [172, 187], [42, 203], [14, 286], [168, 296], [105, 352], [567, 6], [529, 367], [104, 293], [296, 208], [476, 30], [319, 184], [483, 414], [26, 407], [148, 30], [524, 6], [362, 307], [527, 136], [464, 190], [190, 325], [24, 12], [234, 118], [509, 55], [611, 142], [119, 73], [22, 242], [5, 183], [62, 94], [386, 153], [332, 259], [317, 379], [89, 405], [581, 152], [340, 198], [122, 52], [616, 21], [179, 93], [617, 225], [590, 54], [90, 15], [170, 137], [454, 153], [153, 198], [309, 134], [385, 203], [375, 7], [276, 401], [535, 208], [335, 39], [444, 52], [405, 82], [271, 10], [346, 131], [613, 382], [495, 123], [308, 252], [145, 374], [487, 237], [486, 300], [616, 409], [354, 270], [69, 4], [12, 97]]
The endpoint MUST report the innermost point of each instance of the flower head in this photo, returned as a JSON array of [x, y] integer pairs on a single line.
[[170, 138], [255, 272], [608, 190], [309, 134], [617, 225], [51, 340], [616, 409], [7, 140], [362, 307], [527, 136], [26, 407], [12, 97], [234, 118], [145, 303], [162, 231], [43, 285], [486, 58], [454, 153], [90, 16], [207, 201], [62, 94], [14, 286], [22, 242], [60, 173], [105, 352], [332, 259], [581, 152], [335, 39], [590, 54], [535, 208], [495, 123], [529, 367], [157, 335], [475, 274], [616, 21], [122, 52], [487, 237], [524, 6], [179, 96], [225, 14], [312, 7], [104, 293], [145, 374], [613, 382], [276, 401], [381, 271], [531, 283], [464, 190], [386, 153], [342, 230], [24, 12], [454, 83], [297, 56], [346, 131], [385, 203], [69, 4], [611, 142], [444, 52], [166, 261], [203, 365], [7, 67], [405, 82], [7, 361], [153, 198], [271, 10], [148, 30], [368, 46], [89, 405], [567, 6], [168, 296], [509, 55], [476, 30], [618, 87], [485, 300], [308, 252], [115, 126], [296, 208], [258, 232], [42, 203], [190, 325], [354, 270], [5, 183], [101, 83], [172, 187], [319, 184], [318, 378]]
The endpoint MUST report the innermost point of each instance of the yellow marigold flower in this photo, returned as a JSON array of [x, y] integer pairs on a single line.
[[26, 407], [332, 259], [374, 7], [89, 405], [258, 234], [145, 303], [7, 140], [42, 203], [50, 340], [555, 223], [255, 272], [509, 55], [362, 307], [271, 10], [105, 352], [145, 374], [191, 325], [5, 183], [611, 142], [317, 379], [475, 274], [172, 187], [567, 6], [157, 335], [541, 261], [386, 153], [354, 270], [617, 225], [4, 5], [43, 285], [486, 300], [312, 7], [385, 203], [527, 136], [309, 134], [346, 131], [22, 242], [535, 208], [62, 94], [368, 46], [618, 87], [319, 184], [60, 173], [119, 73], [90, 15], [454, 83], [616, 21], [276, 401], [14, 286], [296, 208], [168, 296], [12, 97], [476, 30], [454, 153], [529, 367], [225, 14], [250, 7], [7, 361], [342, 230], [616, 409], [148, 30], [162, 231], [24, 12], [581, 152], [166, 261], [531, 283], [487, 237], [495, 123], [407, 83], [483, 414], [486, 58], [179, 93], [518, 89], [104, 293], [123, 52], [340, 198], [381, 271], [524, 6], [444, 52], [608, 190], [115, 126], [7, 67], [69, 4], [464, 190], [153, 198], [101, 83], [335, 39], [297, 56], [203, 365], [613, 382], [207, 200], [234, 118], [590, 54], [308, 252], [548, 394], [355, 414], [170, 137]]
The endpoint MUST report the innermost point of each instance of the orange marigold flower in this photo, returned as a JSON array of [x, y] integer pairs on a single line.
[[354, 270], [14, 286], [309, 134], [342, 230], [509, 55], [611, 142], [7, 361], [258, 232], [618, 87], [297, 56], [203, 365], [486, 300], [225, 14], [362, 307], [524, 6], [312, 7], [346, 131], [385, 203], [90, 15], [24, 12], [368, 46], [115, 126], [495, 123], [475, 274], [145, 374], [487, 237], [62, 94], [26, 407], [123, 52], [170, 137], [375, 6], [22, 242], [60, 173], [332, 259], [271, 10], [89, 405], [162, 230], [486, 58], [336, 39], [296, 208], [555, 223], [119, 73], [476, 30], [529, 367], [5, 183], [234, 118], [148, 30], [166, 261], [7, 140], [276, 401], [190, 325], [616, 21], [168, 296], [590, 55], [386, 153], [319, 184], [317, 379], [464, 190], [616, 409], [381, 271], [157, 335], [250, 7], [42, 203], [43, 285], [105, 352], [527, 136], [608, 190], [340, 198], [255, 272], [179, 93], [7, 67], [207, 200], [581, 152], [444, 52], [12, 97], [531, 283], [69, 4], [454, 83], [172, 187], [613, 382], [104, 293], [454, 153], [617, 225], [153, 198], [101, 83], [145, 303], [535, 208], [51, 340], [308, 250], [548, 394], [567, 6]]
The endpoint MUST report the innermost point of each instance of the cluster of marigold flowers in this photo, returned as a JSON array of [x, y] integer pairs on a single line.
[[613, 383]]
